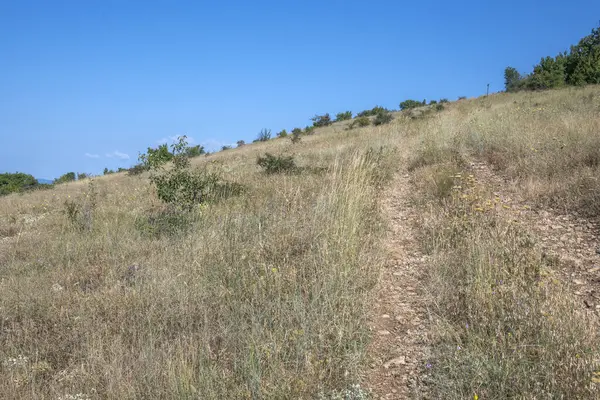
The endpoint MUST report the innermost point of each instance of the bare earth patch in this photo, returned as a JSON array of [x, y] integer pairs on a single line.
[[399, 320]]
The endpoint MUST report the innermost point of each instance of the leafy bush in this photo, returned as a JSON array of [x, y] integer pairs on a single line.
[[439, 107], [264, 135], [282, 134], [68, 177], [462, 97], [408, 104], [360, 122], [383, 118], [183, 188], [321, 120], [374, 111], [444, 100], [156, 157], [17, 182], [309, 130], [343, 116], [277, 164], [226, 147], [432, 102], [108, 171], [83, 175]]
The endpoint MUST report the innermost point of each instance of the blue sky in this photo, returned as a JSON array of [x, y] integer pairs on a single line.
[[88, 84]]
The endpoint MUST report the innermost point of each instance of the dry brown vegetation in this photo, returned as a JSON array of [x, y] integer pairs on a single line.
[[265, 294]]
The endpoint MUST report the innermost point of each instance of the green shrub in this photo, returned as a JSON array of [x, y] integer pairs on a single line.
[[462, 97], [241, 143], [444, 100], [264, 135], [295, 137], [17, 182], [321, 120], [383, 118], [439, 107], [360, 122], [83, 175], [343, 116], [282, 134], [108, 171], [374, 111], [226, 147], [408, 104], [184, 188], [309, 130], [272, 164], [68, 177], [156, 157], [433, 102]]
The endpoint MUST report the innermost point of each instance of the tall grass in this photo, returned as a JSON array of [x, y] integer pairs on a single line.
[[263, 295], [507, 327]]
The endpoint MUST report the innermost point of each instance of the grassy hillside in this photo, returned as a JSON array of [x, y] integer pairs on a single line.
[[104, 293]]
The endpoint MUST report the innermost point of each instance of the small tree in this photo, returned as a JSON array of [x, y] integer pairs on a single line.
[[295, 137], [194, 151], [343, 116], [240, 143], [68, 177], [512, 79], [82, 175], [321, 120], [226, 147], [156, 157], [264, 135]]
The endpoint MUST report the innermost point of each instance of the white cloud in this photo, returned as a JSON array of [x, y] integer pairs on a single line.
[[215, 145], [117, 154], [92, 155], [173, 139]]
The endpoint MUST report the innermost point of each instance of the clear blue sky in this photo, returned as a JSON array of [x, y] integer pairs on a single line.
[[88, 84]]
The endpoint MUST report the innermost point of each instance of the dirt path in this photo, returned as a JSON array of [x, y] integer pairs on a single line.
[[570, 241], [399, 320]]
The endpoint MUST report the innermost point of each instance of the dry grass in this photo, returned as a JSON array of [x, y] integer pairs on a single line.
[[507, 327], [265, 295]]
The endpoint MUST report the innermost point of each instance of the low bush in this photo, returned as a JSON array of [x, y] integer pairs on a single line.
[[372, 112], [240, 143], [408, 104], [343, 116], [360, 122], [295, 137], [272, 164], [282, 134], [383, 118]]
